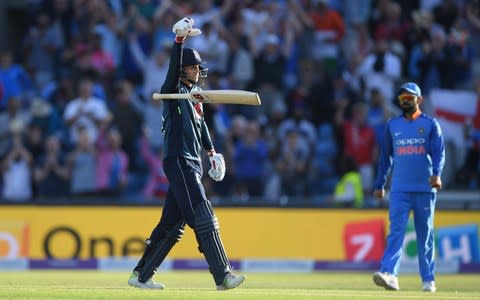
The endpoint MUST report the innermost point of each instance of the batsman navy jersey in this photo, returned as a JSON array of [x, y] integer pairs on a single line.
[[413, 150], [184, 127]]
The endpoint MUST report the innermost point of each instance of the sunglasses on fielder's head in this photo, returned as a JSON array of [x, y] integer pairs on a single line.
[[407, 97]]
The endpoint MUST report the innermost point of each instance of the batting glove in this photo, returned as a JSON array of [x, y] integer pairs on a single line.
[[184, 28], [217, 169]]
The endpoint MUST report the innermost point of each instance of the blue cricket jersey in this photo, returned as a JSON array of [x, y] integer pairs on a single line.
[[412, 150]]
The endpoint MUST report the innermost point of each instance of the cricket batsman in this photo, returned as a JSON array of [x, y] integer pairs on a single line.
[[413, 151], [185, 135]]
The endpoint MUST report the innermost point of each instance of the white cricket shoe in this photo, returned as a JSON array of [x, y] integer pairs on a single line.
[[231, 281], [429, 286], [149, 284], [386, 280]]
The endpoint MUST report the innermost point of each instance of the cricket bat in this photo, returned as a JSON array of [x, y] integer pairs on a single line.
[[215, 96]]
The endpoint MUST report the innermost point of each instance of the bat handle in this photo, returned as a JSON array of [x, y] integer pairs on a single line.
[[159, 96]]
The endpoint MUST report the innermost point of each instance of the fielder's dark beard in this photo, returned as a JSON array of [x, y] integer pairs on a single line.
[[408, 109]]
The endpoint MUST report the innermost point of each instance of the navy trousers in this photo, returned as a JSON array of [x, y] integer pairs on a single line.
[[185, 191]]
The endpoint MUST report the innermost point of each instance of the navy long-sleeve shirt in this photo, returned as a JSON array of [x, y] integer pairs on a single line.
[[185, 130], [413, 150]]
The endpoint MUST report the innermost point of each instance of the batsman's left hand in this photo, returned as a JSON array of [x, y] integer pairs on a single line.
[[435, 181], [217, 169]]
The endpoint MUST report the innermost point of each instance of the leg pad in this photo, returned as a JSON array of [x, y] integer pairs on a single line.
[[206, 230], [159, 250]]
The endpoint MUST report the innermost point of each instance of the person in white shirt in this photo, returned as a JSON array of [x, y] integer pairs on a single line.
[[16, 172], [381, 70], [85, 111]]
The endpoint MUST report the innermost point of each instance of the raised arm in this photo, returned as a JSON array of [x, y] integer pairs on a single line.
[[182, 29]]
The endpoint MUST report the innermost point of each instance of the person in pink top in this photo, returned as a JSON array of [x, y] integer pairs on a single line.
[[101, 60], [112, 163], [157, 182]]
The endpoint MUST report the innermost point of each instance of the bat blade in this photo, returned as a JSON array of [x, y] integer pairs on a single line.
[[216, 96], [227, 97]]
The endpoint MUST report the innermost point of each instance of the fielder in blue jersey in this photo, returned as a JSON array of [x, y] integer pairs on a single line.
[[413, 152]]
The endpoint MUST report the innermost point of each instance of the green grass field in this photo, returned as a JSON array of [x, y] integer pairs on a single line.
[[200, 286]]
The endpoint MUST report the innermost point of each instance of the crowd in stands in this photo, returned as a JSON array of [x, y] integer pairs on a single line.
[[77, 119]]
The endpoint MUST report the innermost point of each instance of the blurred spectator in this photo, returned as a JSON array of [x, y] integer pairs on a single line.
[[165, 16], [41, 47], [61, 93], [212, 46], [101, 60], [82, 165], [208, 10], [154, 68], [239, 65], [110, 31], [136, 25], [44, 116], [461, 54], [157, 182], [420, 30], [323, 168], [269, 69], [153, 124], [112, 163], [51, 174], [392, 26], [472, 15], [61, 12], [348, 191], [381, 69], [270, 64], [297, 96], [329, 29], [34, 139], [16, 168], [292, 165], [469, 174], [378, 114], [127, 119], [359, 143], [321, 98], [357, 42], [12, 115], [249, 156], [85, 111], [344, 95], [434, 63], [304, 128], [15, 80], [445, 14], [145, 8], [255, 16], [357, 11]]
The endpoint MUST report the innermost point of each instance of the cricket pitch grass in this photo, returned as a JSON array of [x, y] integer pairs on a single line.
[[198, 285]]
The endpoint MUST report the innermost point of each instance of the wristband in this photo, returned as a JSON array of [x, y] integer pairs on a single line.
[[179, 39]]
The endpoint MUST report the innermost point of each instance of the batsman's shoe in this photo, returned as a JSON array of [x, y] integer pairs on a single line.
[[386, 280], [149, 284], [429, 286], [231, 281]]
